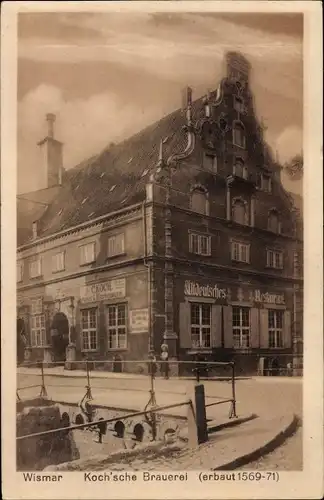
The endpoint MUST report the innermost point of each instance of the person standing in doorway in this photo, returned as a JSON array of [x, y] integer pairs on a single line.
[[165, 360]]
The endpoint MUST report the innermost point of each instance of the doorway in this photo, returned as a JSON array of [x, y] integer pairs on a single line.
[[59, 336]]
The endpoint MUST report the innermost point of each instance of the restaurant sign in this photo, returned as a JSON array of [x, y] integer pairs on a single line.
[[139, 320], [112, 289], [267, 298], [193, 289]]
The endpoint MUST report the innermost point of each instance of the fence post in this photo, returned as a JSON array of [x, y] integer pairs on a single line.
[[43, 392], [88, 387], [197, 421], [233, 407]]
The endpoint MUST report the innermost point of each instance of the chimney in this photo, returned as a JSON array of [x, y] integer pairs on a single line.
[[35, 229], [51, 155]]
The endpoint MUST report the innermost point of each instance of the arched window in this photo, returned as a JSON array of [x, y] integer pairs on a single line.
[[239, 211], [238, 134], [239, 168], [274, 224], [199, 200]]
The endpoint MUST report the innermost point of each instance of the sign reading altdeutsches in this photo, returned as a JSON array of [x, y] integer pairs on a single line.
[[193, 289], [138, 320], [112, 289]]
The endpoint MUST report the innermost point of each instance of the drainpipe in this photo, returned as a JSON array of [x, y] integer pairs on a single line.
[[149, 280]]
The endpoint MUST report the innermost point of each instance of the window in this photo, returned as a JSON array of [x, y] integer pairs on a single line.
[[20, 270], [37, 331], [87, 253], [239, 104], [210, 162], [275, 322], [199, 244], [238, 135], [89, 329], [58, 262], [116, 245], [116, 326], [240, 252], [199, 202], [241, 327], [265, 183], [274, 222], [35, 268], [239, 211], [275, 259], [200, 319], [240, 169]]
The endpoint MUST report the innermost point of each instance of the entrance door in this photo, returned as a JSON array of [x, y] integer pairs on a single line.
[[59, 336]]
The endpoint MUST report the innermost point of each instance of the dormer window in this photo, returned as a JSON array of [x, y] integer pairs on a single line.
[[239, 211], [239, 104], [239, 168], [199, 200], [274, 224], [210, 162], [239, 134]]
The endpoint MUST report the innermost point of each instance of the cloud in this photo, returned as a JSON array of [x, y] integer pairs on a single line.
[[289, 143]]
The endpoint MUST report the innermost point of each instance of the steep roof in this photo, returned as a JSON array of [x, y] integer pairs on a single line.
[[114, 178]]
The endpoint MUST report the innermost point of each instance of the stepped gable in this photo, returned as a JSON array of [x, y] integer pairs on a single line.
[[116, 177]]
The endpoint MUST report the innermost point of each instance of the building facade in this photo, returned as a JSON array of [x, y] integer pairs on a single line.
[[182, 235]]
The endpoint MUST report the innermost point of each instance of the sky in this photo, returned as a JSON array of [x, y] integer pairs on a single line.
[[108, 75]]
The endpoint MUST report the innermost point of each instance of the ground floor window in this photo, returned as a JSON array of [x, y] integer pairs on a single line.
[[116, 326], [38, 331], [275, 323], [89, 329], [200, 320], [241, 327]]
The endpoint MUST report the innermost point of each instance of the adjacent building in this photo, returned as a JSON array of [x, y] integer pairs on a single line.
[[182, 234]]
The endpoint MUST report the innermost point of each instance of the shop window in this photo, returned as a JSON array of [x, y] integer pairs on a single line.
[[37, 326], [210, 162], [240, 169], [200, 318], [240, 251], [199, 201], [20, 269], [274, 224], [89, 329], [116, 326], [239, 211], [275, 259], [239, 104], [238, 134], [116, 245], [241, 327], [199, 244], [275, 324], [58, 262], [87, 253], [35, 267]]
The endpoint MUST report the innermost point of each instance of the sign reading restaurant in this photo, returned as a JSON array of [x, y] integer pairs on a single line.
[[193, 289], [267, 298], [112, 289]]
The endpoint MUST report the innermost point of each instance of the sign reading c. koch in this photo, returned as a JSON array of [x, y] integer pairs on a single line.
[[193, 289], [112, 289]]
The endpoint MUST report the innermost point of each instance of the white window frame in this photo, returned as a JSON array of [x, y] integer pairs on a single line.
[[241, 331], [35, 267], [212, 164], [274, 258], [201, 326], [237, 122], [38, 330], [58, 262], [88, 331], [196, 243], [275, 333], [118, 330], [116, 245], [20, 271], [238, 250], [84, 260]]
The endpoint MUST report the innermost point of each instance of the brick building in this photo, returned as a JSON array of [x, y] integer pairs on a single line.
[[181, 234]]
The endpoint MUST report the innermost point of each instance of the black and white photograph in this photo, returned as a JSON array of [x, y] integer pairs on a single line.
[[160, 192]]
